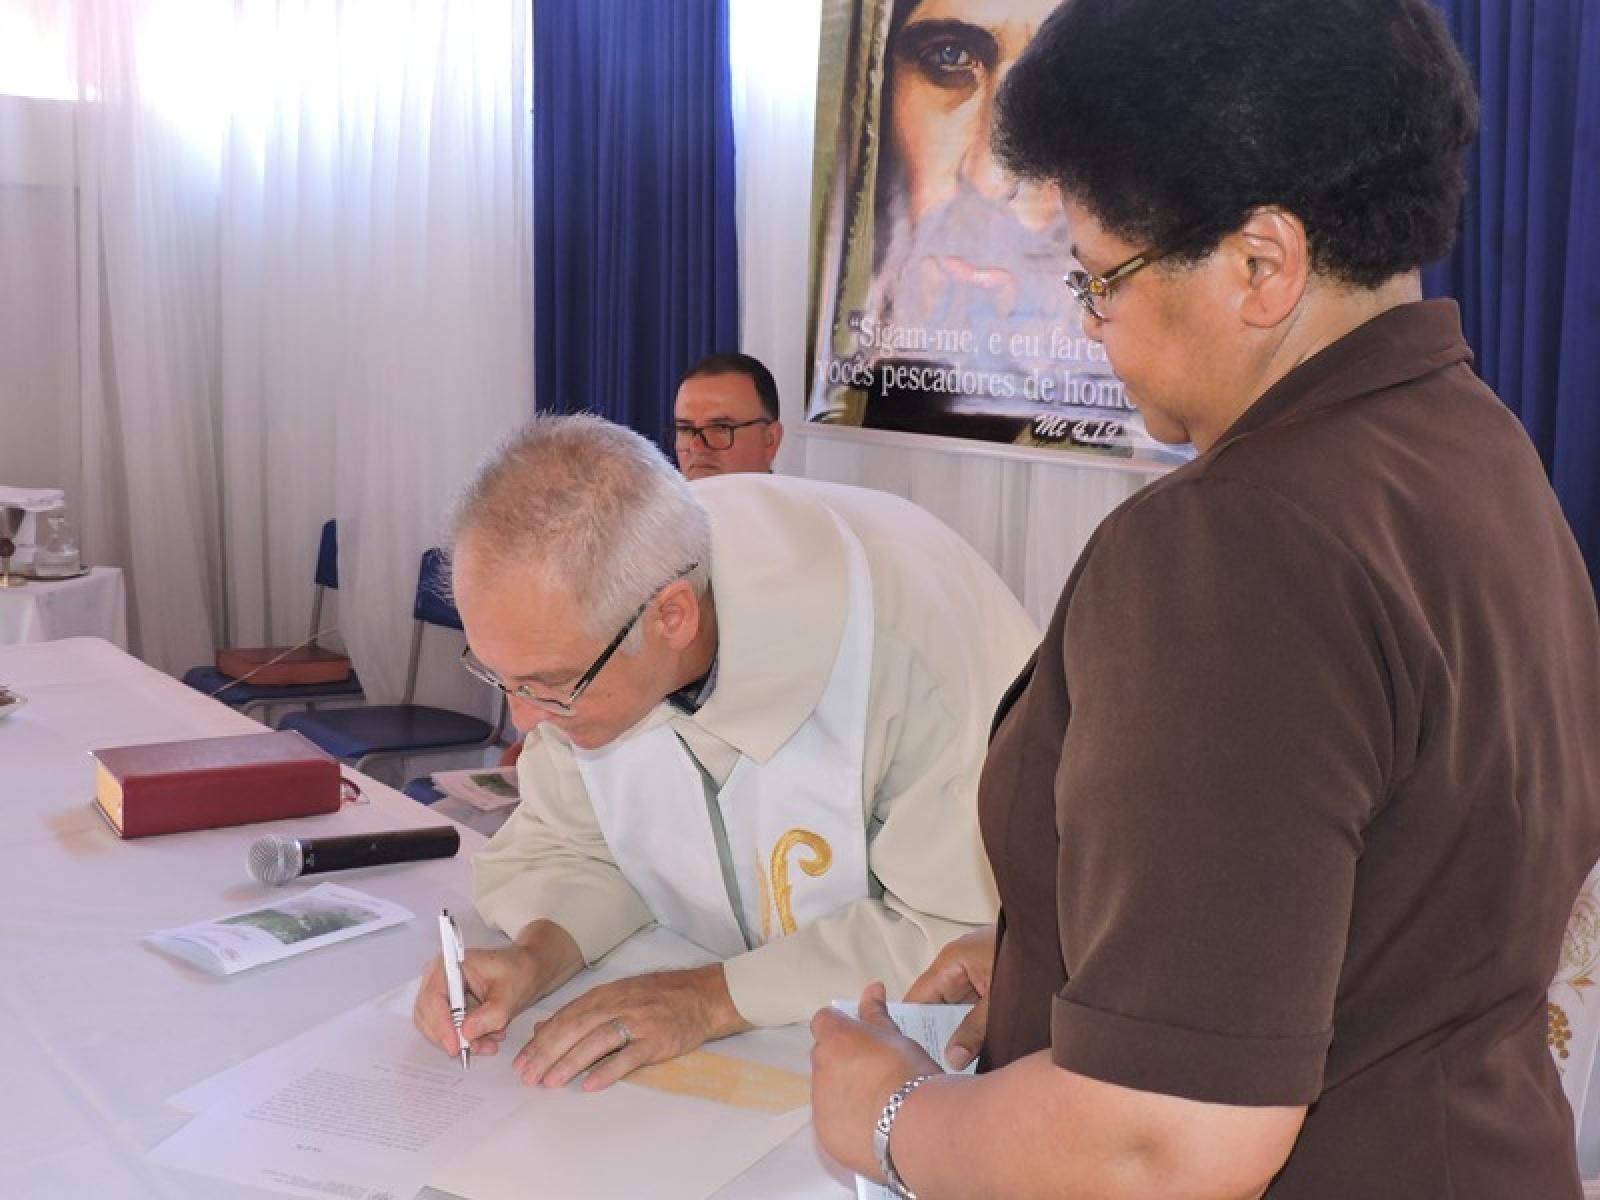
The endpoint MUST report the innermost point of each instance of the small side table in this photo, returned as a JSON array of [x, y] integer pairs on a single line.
[[94, 604]]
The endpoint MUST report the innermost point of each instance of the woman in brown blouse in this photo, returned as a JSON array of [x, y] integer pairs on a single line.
[[1290, 808]]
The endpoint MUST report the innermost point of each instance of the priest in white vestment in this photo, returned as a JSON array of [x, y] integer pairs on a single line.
[[755, 710]]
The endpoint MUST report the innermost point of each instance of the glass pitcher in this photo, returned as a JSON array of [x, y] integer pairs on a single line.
[[56, 556]]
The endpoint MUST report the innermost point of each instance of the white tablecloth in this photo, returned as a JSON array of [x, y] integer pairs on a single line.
[[102, 1029], [92, 605]]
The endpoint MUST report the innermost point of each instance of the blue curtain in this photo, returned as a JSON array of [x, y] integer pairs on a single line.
[[1527, 269], [635, 252]]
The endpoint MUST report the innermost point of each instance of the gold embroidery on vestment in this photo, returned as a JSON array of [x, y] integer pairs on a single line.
[[782, 890]]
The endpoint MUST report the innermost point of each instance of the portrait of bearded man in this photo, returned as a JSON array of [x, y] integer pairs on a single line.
[[961, 243], [937, 275]]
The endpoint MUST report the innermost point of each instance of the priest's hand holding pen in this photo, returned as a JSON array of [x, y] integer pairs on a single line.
[[502, 981], [610, 1030]]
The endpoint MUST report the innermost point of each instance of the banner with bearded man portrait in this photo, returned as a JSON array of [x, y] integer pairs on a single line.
[[937, 298]]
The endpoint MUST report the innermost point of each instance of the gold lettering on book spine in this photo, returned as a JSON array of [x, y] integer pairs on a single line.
[[782, 890]]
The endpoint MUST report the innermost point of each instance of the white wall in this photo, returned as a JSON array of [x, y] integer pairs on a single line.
[[234, 295]]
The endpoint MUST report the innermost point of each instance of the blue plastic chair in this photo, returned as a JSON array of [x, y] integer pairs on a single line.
[[362, 735], [248, 697]]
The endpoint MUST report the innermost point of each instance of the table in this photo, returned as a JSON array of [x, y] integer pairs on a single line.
[[104, 1029], [91, 605]]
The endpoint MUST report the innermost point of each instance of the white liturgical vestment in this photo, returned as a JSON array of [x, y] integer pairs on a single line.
[[731, 882], [819, 590]]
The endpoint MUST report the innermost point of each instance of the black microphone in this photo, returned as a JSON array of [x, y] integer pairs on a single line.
[[276, 860]]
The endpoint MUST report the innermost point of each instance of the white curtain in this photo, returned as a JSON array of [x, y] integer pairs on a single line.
[[772, 56], [303, 292], [39, 417], [1028, 516]]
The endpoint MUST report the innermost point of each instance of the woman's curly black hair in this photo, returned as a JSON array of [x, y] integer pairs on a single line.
[[1172, 120]]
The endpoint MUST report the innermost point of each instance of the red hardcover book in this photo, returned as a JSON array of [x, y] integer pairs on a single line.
[[203, 783], [280, 666]]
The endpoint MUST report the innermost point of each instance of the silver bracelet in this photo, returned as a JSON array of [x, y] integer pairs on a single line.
[[885, 1126]]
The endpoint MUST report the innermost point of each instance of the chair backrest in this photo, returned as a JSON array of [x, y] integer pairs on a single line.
[[433, 591], [327, 573], [432, 606], [328, 556]]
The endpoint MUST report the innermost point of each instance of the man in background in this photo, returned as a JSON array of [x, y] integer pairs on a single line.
[[726, 417]]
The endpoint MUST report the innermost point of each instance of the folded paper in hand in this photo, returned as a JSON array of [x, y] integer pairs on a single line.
[[929, 1026]]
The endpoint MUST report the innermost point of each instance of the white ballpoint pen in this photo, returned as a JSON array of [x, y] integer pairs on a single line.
[[454, 952]]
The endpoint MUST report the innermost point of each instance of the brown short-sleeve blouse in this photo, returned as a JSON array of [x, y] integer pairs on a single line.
[[1292, 805]]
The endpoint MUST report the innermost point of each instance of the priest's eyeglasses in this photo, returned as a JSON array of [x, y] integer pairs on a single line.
[[718, 435], [564, 708]]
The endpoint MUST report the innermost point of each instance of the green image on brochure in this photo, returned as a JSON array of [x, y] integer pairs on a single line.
[[494, 781], [292, 923]]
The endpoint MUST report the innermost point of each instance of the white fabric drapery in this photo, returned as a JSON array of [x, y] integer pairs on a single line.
[[303, 292], [1028, 516]]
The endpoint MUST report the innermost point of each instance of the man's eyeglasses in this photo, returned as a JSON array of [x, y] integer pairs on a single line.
[[1092, 291], [718, 435], [564, 708]]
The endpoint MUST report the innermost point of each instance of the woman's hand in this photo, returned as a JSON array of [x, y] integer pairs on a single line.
[[961, 974], [855, 1067]]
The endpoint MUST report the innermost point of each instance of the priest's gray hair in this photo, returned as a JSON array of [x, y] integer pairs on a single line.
[[598, 507]]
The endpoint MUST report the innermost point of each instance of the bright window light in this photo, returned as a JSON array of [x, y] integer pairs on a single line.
[[38, 49]]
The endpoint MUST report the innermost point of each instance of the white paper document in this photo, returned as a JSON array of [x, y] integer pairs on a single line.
[[929, 1026], [619, 1144], [267, 1069], [298, 922], [624, 1143], [360, 1108]]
